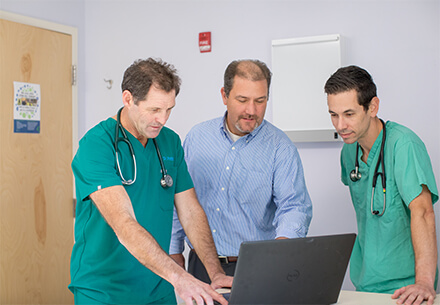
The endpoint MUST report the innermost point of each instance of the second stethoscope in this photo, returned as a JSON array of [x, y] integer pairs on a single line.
[[355, 175], [166, 180]]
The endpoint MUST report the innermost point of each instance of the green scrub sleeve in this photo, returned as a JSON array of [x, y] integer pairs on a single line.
[[94, 165], [183, 180], [412, 170]]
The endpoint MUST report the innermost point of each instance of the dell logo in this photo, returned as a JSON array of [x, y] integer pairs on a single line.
[[292, 276]]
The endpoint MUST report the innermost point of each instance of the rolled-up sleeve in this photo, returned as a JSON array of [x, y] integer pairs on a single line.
[[294, 206]]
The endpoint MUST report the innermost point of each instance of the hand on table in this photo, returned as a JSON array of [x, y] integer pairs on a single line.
[[415, 294]]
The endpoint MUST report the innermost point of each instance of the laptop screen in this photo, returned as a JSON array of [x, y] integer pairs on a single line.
[[292, 271]]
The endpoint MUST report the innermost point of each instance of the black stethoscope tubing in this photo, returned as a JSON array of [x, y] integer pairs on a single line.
[[166, 180], [355, 175]]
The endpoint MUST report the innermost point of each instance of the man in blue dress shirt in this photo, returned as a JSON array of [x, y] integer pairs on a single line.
[[247, 174]]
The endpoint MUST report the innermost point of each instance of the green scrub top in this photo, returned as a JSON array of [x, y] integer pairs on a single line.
[[101, 267], [383, 255]]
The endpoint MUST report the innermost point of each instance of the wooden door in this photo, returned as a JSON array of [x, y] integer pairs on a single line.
[[36, 185]]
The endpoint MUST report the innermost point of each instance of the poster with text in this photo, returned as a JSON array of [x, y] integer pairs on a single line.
[[27, 106]]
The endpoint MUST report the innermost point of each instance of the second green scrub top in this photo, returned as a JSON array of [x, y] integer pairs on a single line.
[[383, 255], [101, 267]]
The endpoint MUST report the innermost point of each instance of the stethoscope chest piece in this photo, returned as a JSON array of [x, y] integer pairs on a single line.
[[166, 181], [355, 175]]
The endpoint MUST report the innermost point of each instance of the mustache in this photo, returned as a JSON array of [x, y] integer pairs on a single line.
[[249, 117]]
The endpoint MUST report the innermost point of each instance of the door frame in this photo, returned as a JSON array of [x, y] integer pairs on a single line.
[[60, 28]]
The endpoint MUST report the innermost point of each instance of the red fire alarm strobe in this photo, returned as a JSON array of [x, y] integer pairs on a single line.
[[205, 42]]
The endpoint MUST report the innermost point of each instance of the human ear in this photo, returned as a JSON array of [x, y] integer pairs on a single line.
[[225, 100], [374, 106], [127, 98]]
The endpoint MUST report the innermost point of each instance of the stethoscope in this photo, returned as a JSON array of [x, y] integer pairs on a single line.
[[166, 180], [355, 175]]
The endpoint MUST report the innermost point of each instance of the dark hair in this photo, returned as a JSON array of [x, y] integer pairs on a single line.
[[142, 74], [349, 78], [251, 69]]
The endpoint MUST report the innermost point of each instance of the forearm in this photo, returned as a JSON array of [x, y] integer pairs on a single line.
[[204, 245], [194, 222], [425, 247], [115, 206], [424, 238], [150, 254], [425, 252], [142, 245]]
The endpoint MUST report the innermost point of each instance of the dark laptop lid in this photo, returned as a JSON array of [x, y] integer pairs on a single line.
[[292, 271]]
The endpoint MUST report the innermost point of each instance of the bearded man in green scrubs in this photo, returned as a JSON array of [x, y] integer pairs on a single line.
[[395, 251], [126, 199]]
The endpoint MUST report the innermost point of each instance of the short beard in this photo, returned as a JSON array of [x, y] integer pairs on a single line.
[[237, 125]]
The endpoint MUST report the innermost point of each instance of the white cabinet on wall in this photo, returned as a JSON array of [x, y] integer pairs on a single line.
[[300, 67]]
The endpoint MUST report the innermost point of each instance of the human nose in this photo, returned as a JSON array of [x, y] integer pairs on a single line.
[[250, 108], [162, 118], [341, 124]]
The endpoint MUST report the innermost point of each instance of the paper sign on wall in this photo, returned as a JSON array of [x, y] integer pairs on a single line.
[[27, 104]]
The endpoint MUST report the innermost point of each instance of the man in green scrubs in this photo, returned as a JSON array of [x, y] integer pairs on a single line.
[[395, 251], [125, 208]]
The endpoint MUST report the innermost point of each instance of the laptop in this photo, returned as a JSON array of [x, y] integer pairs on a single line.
[[291, 271]]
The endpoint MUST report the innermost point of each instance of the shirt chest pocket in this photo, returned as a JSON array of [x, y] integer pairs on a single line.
[[251, 186], [360, 194]]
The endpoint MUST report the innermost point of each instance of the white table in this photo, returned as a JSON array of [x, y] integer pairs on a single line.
[[347, 297], [366, 298]]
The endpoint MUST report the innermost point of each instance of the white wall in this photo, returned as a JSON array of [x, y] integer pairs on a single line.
[[397, 41]]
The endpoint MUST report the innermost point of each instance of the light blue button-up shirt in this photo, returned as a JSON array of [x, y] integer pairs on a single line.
[[251, 189]]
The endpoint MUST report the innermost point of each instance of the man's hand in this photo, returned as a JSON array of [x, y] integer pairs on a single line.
[[189, 288], [415, 294], [221, 280], [179, 259]]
